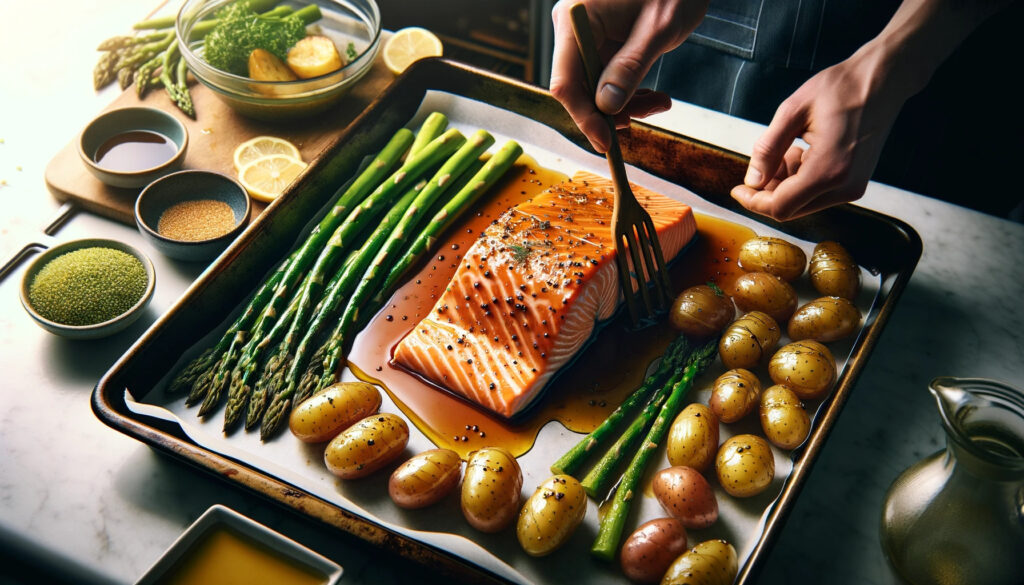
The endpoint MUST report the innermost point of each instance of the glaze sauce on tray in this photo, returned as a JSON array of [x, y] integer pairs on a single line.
[[586, 391]]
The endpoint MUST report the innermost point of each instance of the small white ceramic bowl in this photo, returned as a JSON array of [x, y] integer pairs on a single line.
[[96, 330], [219, 517]]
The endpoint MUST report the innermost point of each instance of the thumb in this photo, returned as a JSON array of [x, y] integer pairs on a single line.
[[628, 66], [768, 152]]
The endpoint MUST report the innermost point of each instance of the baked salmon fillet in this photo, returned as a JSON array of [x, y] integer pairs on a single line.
[[529, 293]]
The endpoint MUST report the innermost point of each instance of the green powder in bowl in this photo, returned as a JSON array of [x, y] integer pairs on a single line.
[[88, 286]]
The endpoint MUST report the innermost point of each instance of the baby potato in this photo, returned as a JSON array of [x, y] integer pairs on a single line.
[[322, 416], [745, 466], [833, 271], [491, 489], [824, 319], [748, 340], [805, 367], [367, 446], [266, 66], [701, 310], [785, 421], [760, 291], [772, 255], [712, 562], [314, 56], [551, 515], [685, 494], [648, 552], [425, 479], [734, 395], [693, 437]]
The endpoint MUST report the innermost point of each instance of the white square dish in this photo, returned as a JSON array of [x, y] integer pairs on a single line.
[[222, 531]]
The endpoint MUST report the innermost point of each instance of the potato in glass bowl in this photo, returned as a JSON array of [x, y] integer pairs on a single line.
[[274, 59]]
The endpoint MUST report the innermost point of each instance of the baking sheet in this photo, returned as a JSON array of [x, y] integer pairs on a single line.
[[741, 521]]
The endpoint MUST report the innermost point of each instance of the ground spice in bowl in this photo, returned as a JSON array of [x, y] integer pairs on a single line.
[[88, 286], [197, 220]]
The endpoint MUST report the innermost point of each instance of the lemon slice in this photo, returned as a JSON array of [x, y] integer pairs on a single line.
[[261, 146], [268, 176], [408, 45]]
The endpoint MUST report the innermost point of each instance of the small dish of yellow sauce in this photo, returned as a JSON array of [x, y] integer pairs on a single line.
[[226, 548]]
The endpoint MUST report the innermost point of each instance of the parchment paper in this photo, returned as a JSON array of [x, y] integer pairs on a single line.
[[741, 521]]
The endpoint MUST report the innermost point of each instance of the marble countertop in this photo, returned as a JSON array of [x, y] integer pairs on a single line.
[[95, 505]]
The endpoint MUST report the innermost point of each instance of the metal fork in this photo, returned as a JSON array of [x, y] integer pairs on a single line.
[[631, 224]]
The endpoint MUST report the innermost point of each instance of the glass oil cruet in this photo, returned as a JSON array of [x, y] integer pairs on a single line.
[[957, 517]]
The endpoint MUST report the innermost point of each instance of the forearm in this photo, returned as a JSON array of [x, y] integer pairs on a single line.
[[921, 35]]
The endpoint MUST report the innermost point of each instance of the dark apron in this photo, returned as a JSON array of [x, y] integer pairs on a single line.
[[747, 56]]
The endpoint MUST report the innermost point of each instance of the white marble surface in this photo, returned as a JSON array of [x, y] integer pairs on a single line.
[[102, 506]]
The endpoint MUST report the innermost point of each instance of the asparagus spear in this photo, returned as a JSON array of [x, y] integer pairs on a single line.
[[570, 462], [188, 375], [606, 545], [597, 482], [245, 394], [432, 127]]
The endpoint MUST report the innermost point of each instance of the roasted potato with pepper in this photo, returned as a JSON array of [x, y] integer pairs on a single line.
[[772, 255], [651, 548], [425, 479], [784, 420], [761, 291], [322, 416], [745, 465], [491, 489], [701, 310], [685, 494], [735, 394], [833, 271], [749, 340], [551, 515], [367, 446], [693, 437], [805, 367], [824, 319], [712, 562]]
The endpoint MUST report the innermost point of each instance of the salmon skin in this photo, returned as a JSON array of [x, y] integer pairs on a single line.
[[530, 292]]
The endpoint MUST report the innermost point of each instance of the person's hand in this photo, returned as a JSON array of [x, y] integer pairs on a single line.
[[844, 114], [630, 36]]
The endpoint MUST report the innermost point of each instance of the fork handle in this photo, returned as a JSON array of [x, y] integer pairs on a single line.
[[592, 67]]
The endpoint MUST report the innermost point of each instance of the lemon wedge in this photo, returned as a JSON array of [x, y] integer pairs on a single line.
[[265, 178], [261, 146], [408, 45]]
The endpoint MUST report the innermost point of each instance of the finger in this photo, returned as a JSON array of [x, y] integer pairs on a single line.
[[644, 103], [770, 149], [649, 37], [568, 82]]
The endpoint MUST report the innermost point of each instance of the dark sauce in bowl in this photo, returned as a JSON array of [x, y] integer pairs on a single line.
[[135, 150]]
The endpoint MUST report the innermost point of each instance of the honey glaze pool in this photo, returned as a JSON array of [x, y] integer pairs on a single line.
[[586, 392]]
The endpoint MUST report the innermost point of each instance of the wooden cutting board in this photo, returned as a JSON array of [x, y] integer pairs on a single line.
[[213, 136]]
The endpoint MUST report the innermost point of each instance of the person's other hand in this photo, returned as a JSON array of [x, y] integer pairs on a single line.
[[630, 36], [844, 114]]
